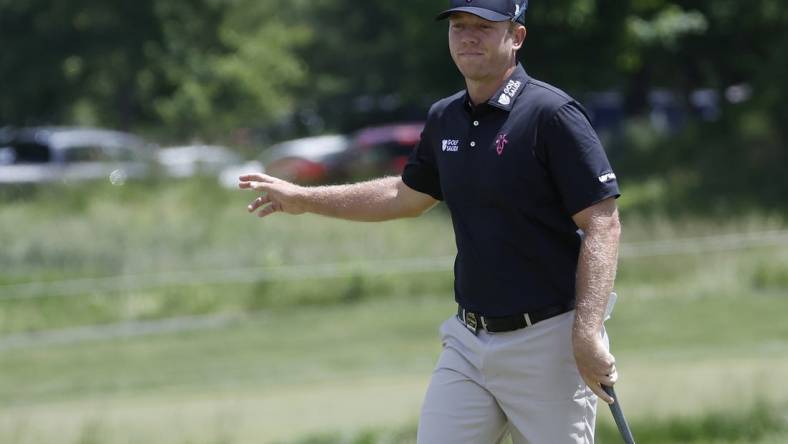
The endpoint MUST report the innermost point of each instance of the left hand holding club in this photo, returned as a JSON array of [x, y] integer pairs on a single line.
[[596, 365]]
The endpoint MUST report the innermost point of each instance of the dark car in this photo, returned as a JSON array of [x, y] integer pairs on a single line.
[[309, 160], [382, 150], [50, 154]]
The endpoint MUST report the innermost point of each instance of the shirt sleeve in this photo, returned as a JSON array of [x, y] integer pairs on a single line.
[[421, 170], [577, 161]]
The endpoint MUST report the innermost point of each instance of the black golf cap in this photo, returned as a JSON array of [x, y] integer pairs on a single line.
[[492, 10]]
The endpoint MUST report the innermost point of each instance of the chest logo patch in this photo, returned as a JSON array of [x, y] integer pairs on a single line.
[[504, 99], [450, 145], [500, 143]]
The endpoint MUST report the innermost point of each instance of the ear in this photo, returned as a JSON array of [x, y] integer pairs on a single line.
[[519, 36]]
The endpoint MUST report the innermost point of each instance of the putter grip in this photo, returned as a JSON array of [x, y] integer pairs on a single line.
[[618, 415]]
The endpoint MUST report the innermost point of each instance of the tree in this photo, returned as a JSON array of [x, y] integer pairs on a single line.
[[199, 67]]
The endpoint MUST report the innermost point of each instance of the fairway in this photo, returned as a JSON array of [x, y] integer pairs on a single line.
[[141, 320], [274, 377]]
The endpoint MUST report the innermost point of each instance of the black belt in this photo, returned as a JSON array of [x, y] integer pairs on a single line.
[[475, 322]]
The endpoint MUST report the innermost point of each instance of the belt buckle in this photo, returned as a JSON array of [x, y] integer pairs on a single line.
[[471, 322]]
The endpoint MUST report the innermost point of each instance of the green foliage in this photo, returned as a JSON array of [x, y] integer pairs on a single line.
[[230, 63], [732, 165], [667, 27], [201, 67]]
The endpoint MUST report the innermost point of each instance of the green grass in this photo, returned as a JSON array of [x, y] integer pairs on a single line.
[[700, 338], [192, 227], [365, 364], [760, 424]]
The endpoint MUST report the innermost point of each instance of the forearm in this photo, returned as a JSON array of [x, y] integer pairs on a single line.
[[596, 273], [371, 201]]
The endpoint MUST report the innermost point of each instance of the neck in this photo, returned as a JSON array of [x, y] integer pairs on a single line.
[[480, 90]]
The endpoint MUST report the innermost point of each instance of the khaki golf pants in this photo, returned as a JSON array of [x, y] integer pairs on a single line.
[[524, 382]]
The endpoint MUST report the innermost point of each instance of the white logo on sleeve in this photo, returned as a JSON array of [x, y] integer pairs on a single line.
[[607, 177], [450, 145]]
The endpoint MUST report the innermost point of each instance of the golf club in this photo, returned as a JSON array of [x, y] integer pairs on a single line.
[[618, 415]]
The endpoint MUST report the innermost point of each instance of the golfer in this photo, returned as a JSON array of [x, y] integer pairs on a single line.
[[532, 200]]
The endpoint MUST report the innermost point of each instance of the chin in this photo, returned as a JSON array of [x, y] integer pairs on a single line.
[[473, 72]]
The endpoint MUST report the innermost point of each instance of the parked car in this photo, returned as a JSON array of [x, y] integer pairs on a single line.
[[191, 160], [309, 160], [228, 177], [51, 154], [382, 150]]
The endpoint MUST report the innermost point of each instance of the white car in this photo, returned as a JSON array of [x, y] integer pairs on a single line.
[[66, 154], [192, 160], [228, 177]]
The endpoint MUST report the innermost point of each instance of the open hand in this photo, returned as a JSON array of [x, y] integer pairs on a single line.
[[277, 194]]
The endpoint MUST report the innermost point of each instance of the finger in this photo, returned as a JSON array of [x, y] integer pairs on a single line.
[[256, 186], [612, 377], [597, 389], [607, 375], [247, 185], [266, 211], [255, 177], [259, 202], [602, 395], [609, 380]]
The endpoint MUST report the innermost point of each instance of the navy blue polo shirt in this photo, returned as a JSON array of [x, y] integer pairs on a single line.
[[512, 172]]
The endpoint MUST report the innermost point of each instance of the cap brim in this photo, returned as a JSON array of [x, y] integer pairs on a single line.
[[481, 12]]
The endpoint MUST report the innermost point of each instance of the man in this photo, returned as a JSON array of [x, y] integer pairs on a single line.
[[521, 170]]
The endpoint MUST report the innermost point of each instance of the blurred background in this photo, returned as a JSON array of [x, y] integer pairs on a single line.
[[139, 302]]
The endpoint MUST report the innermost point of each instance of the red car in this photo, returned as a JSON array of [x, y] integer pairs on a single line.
[[311, 160], [383, 150]]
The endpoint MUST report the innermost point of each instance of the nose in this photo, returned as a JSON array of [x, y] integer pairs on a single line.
[[469, 37]]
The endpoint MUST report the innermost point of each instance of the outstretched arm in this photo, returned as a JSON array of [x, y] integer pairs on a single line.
[[376, 200], [596, 271]]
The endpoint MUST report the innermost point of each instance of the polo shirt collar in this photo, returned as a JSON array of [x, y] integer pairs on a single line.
[[505, 97]]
